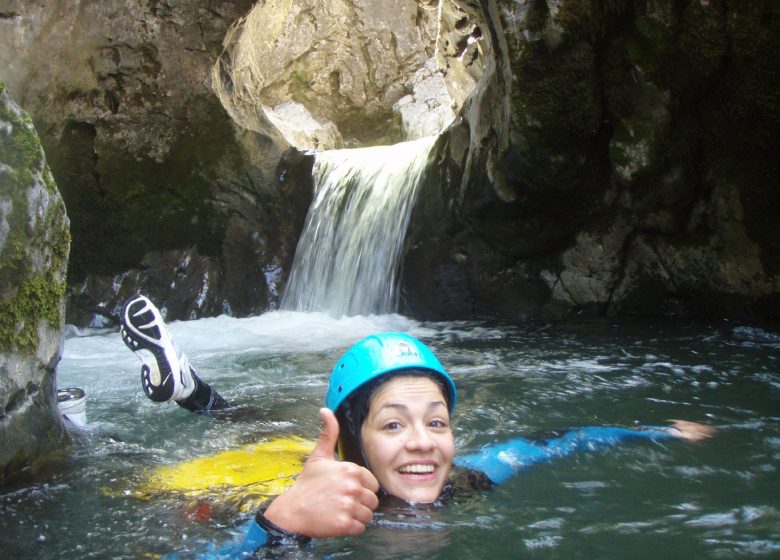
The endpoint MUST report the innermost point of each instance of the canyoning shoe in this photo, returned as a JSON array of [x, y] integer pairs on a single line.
[[166, 373]]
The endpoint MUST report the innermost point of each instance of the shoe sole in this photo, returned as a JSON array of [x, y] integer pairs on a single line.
[[143, 331]]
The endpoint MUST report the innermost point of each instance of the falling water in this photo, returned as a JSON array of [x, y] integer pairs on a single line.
[[348, 258]]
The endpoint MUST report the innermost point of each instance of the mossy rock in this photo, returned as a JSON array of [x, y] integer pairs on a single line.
[[34, 247]]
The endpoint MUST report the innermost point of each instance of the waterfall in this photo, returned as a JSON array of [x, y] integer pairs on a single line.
[[348, 258]]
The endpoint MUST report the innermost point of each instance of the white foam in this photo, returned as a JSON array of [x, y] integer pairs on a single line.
[[282, 331], [273, 332]]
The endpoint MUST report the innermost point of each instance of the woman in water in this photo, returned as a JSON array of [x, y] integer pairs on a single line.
[[386, 434]]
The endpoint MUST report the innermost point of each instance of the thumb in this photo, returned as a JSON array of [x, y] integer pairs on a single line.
[[329, 436]]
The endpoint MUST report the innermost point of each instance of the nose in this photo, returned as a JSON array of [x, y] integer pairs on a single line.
[[420, 439]]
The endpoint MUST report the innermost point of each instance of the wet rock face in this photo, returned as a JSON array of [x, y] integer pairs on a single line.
[[326, 74], [630, 176], [608, 157], [152, 169], [160, 182], [34, 244]]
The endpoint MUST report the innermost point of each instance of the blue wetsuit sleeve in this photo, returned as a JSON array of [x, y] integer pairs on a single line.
[[501, 461], [258, 532], [254, 537]]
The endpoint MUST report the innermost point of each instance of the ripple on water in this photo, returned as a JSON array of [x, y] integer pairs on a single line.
[[715, 499]]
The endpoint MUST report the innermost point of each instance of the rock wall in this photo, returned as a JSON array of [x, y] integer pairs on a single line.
[[165, 193], [34, 244], [616, 158], [609, 157], [334, 74]]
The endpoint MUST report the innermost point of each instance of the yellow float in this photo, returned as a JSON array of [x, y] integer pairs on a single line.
[[245, 477]]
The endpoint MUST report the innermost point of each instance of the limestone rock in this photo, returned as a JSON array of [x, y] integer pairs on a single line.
[[613, 158], [147, 160], [347, 63], [301, 129], [34, 245], [428, 110], [594, 148]]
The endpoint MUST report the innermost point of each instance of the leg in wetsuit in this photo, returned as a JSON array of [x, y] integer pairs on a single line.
[[166, 373]]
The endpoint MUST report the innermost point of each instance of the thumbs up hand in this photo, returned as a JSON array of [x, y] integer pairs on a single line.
[[330, 498]]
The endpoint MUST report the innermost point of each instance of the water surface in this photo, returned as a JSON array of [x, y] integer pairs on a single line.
[[717, 499]]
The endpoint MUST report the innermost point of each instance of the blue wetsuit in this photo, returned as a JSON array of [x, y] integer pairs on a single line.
[[501, 461], [498, 462]]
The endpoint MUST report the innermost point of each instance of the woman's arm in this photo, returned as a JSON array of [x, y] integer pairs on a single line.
[[329, 498], [503, 460]]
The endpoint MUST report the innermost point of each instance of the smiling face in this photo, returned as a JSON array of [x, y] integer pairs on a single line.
[[407, 439]]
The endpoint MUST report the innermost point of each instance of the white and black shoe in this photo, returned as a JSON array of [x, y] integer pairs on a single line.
[[166, 373]]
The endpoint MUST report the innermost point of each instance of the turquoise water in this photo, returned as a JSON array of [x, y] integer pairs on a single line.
[[716, 499]]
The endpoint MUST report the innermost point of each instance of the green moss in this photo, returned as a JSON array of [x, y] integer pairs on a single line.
[[13, 266], [48, 180], [21, 149], [59, 244], [299, 82], [29, 296], [37, 299], [32, 297]]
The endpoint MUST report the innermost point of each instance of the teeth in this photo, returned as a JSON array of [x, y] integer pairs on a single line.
[[417, 469]]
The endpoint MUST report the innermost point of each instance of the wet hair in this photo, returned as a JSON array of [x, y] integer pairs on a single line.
[[353, 411]]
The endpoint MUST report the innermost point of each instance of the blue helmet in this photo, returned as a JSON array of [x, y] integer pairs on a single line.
[[377, 355]]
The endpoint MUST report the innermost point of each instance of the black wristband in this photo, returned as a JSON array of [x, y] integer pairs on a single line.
[[277, 535]]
